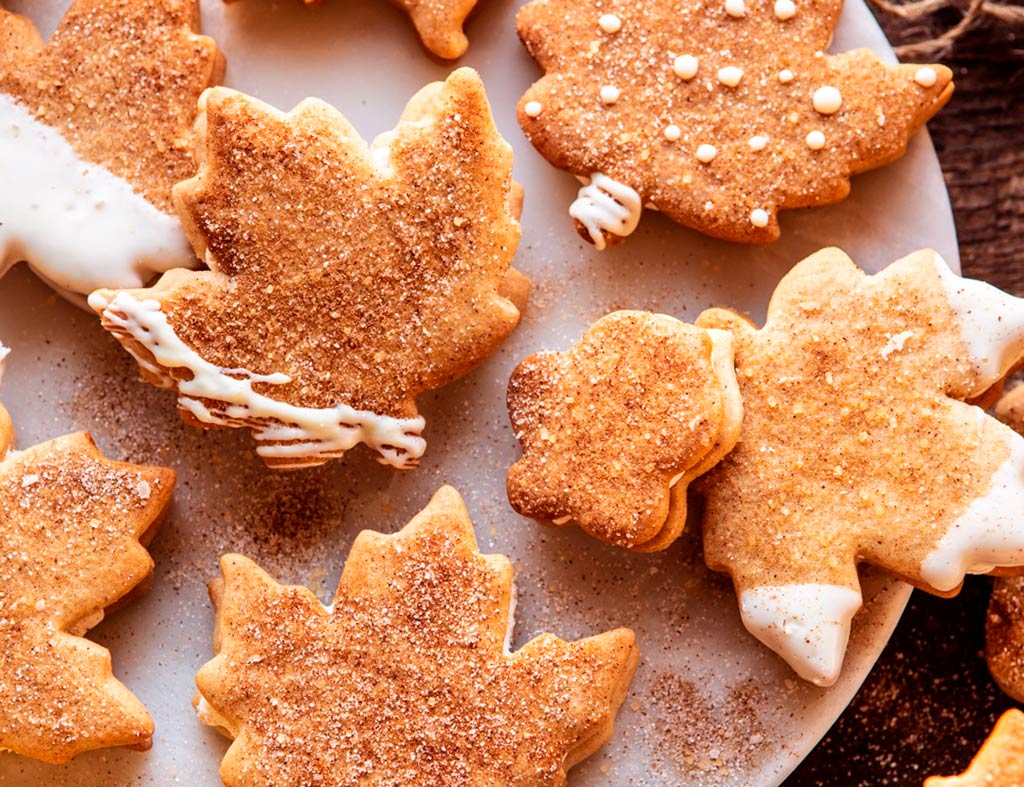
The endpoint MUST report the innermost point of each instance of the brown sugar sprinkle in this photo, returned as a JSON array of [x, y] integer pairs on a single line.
[[715, 117], [72, 528], [406, 679], [120, 80]]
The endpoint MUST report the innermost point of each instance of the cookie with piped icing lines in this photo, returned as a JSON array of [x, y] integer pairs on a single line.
[[615, 429], [73, 530], [718, 113], [345, 278], [999, 763], [438, 23], [858, 445], [411, 668], [95, 130]]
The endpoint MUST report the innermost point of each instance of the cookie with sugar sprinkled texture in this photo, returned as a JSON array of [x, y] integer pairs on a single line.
[[1004, 628], [95, 130], [615, 429], [73, 525], [346, 278], [411, 666], [999, 763], [718, 113], [438, 22], [859, 443]]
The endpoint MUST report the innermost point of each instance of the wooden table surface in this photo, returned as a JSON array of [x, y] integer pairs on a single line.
[[930, 702]]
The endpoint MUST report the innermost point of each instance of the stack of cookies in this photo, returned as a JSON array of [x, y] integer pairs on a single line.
[[279, 274]]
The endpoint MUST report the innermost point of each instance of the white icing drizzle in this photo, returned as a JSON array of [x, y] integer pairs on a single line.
[[302, 436], [807, 624], [4, 352], [990, 532], [605, 205], [79, 226], [991, 324]]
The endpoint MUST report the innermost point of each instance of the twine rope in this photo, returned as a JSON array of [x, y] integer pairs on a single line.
[[975, 13]]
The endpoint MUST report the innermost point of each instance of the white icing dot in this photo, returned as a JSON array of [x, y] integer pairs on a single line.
[[532, 109], [672, 133], [709, 206], [757, 143], [925, 76], [685, 66], [759, 217], [706, 153], [610, 23], [736, 8], [827, 100], [785, 76], [610, 94], [815, 140], [784, 9], [730, 76]]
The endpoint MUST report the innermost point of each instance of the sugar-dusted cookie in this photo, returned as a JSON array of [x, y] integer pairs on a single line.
[[345, 279], [1004, 636], [857, 445], [408, 677], [73, 525], [438, 22], [1000, 763], [614, 429], [718, 113], [95, 129]]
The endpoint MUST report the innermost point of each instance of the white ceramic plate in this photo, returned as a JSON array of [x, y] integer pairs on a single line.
[[709, 705]]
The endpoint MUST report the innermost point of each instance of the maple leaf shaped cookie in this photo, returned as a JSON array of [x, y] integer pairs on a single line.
[[72, 529], [615, 429], [345, 279], [858, 445], [95, 129], [718, 113], [438, 22], [1000, 763], [407, 679]]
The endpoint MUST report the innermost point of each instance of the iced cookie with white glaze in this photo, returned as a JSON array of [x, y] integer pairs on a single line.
[[346, 278], [411, 667], [95, 130], [615, 429], [719, 114], [858, 445]]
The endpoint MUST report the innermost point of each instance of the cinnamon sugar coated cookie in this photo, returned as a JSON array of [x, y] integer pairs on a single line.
[[95, 129], [345, 279], [73, 525], [1000, 763], [1004, 636], [718, 114], [615, 429], [408, 677], [1004, 629], [857, 445], [438, 22]]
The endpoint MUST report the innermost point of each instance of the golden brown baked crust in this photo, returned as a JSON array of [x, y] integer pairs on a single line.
[[1004, 636], [566, 118], [438, 22], [1000, 763], [366, 275], [120, 79], [72, 528], [849, 393], [615, 428], [407, 680]]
